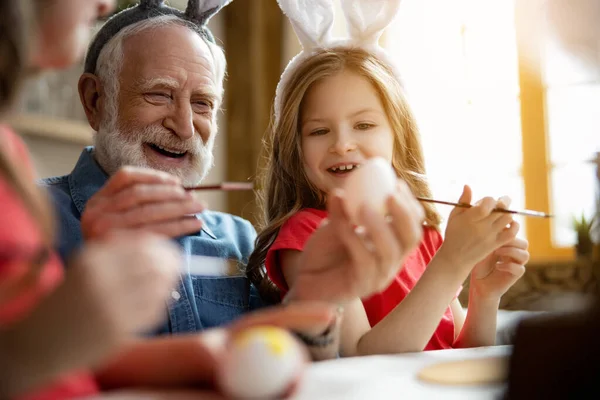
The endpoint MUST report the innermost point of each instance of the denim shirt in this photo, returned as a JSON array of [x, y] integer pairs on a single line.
[[199, 302]]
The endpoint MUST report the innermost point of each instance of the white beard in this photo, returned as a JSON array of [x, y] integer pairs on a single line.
[[116, 148]]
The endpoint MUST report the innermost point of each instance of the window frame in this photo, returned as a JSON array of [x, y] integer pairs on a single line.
[[536, 165]]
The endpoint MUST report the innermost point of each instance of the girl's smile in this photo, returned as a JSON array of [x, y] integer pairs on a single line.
[[343, 124]]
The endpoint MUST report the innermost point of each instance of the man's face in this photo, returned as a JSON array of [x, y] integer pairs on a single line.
[[166, 106]]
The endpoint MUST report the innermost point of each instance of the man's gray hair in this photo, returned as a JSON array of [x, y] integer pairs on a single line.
[[110, 59]]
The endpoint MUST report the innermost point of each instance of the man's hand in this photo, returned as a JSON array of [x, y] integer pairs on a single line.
[[141, 199], [339, 263]]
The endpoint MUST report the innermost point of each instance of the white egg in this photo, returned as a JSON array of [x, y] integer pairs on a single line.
[[370, 184], [261, 363]]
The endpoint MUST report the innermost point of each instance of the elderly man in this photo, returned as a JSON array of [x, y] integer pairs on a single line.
[[152, 86]]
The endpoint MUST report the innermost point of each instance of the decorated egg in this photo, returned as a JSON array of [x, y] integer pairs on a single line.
[[370, 184], [262, 363]]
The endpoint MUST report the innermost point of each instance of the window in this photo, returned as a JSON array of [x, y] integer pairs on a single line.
[[482, 113]]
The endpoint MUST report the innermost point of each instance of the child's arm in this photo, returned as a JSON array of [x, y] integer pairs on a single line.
[[411, 324], [164, 362], [90, 314], [479, 328], [193, 359], [489, 281], [49, 343]]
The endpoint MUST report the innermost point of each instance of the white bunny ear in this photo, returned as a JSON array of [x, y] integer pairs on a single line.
[[311, 19], [367, 19]]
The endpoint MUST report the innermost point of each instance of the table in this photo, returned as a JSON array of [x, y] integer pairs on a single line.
[[393, 377], [364, 378]]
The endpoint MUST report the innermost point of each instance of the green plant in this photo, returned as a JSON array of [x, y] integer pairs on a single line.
[[582, 226]]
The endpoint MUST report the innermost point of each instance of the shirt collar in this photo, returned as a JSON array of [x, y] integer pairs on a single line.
[[87, 178]]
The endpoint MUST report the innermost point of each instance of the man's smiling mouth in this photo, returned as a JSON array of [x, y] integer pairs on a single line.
[[172, 153]]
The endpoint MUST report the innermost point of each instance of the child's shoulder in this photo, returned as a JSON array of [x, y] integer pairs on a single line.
[[307, 218], [431, 242], [432, 234]]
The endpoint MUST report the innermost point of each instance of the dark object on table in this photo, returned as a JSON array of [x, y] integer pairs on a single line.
[[557, 357]]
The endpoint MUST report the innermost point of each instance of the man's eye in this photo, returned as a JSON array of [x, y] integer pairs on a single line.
[[203, 106], [204, 103], [159, 95]]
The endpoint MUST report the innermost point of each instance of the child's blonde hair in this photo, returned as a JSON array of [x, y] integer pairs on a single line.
[[284, 188]]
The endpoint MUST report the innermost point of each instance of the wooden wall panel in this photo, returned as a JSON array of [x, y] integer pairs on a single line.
[[253, 45]]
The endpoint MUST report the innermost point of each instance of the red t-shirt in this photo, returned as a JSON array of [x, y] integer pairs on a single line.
[[294, 234], [20, 245]]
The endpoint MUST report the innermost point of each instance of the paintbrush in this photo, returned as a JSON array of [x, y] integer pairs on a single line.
[[527, 213], [237, 186], [225, 186]]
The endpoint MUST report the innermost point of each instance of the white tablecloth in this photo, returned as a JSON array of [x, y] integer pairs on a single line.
[[393, 377], [364, 378]]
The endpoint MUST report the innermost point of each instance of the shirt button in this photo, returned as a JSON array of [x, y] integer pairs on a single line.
[[175, 295]]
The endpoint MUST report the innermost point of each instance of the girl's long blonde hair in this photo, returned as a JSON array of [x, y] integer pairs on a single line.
[[284, 188]]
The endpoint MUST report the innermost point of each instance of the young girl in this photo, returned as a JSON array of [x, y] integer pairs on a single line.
[[338, 104]]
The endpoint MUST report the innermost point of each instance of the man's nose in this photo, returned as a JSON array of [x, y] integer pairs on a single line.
[[181, 121]]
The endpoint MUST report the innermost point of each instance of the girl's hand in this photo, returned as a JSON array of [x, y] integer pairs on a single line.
[[339, 264], [493, 276], [473, 233]]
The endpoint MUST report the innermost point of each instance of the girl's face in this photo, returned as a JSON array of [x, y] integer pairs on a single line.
[[343, 123], [64, 30]]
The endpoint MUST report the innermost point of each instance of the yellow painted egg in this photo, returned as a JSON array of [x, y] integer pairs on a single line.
[[262, 363]]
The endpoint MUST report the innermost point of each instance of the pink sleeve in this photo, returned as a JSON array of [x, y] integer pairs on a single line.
[[293, 235]]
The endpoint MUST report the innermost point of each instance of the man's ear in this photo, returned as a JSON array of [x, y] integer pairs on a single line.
[[91, 96]]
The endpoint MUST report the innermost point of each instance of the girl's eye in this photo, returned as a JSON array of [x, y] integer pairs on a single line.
[[319, 132], [364, 126]]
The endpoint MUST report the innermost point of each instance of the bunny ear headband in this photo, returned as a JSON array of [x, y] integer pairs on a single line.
[[198, 12], [312, 21]]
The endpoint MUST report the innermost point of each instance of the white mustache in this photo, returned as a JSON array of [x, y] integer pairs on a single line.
[[163, 138]]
